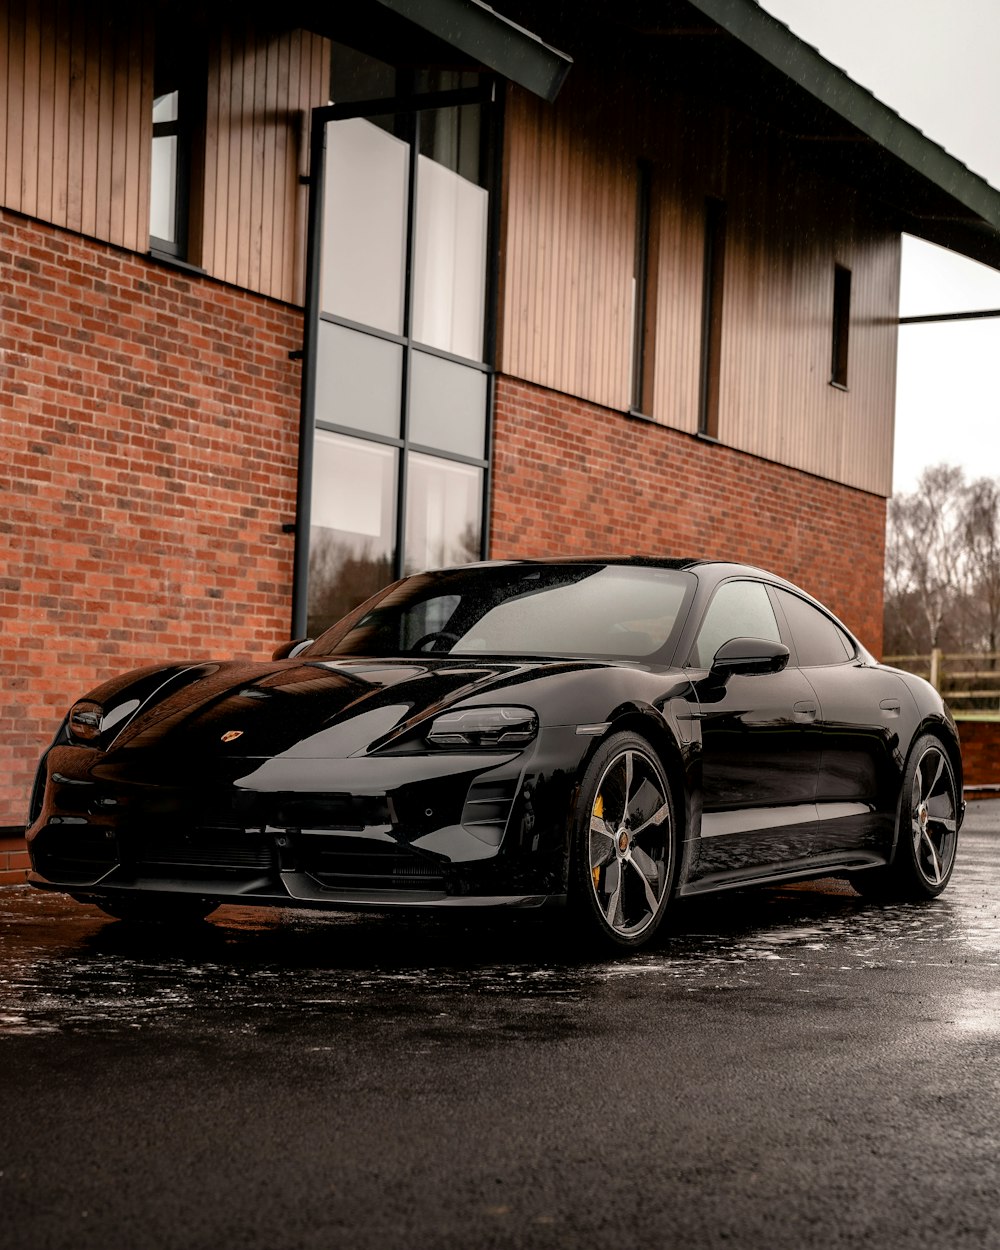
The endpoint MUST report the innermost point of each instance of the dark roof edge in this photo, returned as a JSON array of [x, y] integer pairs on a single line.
[[492, 39], [804, 65]]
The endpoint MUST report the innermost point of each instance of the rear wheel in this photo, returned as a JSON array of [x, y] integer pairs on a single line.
[[624, 854], [159, 909], [927, 833]]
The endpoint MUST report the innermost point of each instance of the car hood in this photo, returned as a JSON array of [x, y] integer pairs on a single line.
[[317, 708]]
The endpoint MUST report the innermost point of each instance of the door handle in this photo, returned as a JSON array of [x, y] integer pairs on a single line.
[[890, 707], [804, 710]]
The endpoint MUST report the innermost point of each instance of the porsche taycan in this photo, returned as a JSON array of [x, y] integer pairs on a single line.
[[604, 735]]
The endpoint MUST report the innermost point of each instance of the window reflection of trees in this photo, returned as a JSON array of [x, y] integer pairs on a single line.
[[342, 574]]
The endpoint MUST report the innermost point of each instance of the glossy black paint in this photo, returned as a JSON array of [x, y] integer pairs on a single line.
[[311, 780]]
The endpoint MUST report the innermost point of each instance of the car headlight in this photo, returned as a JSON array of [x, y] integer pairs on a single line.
[[484, 727], [84, 721]]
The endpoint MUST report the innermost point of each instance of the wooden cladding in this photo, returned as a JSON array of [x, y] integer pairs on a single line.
[[261, 88], [568, 269], [76, 100], [75, 115]]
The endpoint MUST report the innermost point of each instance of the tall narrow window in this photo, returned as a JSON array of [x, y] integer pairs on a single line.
[[398, 378], [711, 324], [168, 177], [176, 179], [643, 294], [841, 325]]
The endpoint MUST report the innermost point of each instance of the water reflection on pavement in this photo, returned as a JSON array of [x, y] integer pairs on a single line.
[[66, 967]]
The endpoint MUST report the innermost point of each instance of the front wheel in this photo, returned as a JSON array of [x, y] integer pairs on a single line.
[[624, 853], [927, 830]]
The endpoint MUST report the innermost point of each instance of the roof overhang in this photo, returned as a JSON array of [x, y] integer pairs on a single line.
[[734, 53], [932, 195], [491, 39]]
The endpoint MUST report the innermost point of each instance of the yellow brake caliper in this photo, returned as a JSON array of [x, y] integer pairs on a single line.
[[599, 813]]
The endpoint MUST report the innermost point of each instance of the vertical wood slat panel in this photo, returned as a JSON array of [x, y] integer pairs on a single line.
[[46, 109], [15, 105], [61, 112], [292, 263], [70, 124], [76, 133], [280, 182], [32, 87], [260, 90], [117, 139], [570, 213], [5, 55]]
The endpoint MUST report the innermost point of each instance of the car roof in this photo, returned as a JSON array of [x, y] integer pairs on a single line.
[[721, 568]]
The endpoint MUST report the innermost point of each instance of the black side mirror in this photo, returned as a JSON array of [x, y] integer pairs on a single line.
[[748, 656], [289, 650]]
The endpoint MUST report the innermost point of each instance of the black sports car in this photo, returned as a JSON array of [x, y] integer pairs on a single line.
[[602, 733]]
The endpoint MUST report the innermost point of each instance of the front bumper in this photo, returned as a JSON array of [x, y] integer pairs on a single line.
[[442, 830]]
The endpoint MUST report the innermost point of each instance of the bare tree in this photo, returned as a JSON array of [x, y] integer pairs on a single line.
[[925, 569], [982, 551]]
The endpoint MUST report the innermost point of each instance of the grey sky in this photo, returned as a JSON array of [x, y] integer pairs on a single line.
[[935, 62]]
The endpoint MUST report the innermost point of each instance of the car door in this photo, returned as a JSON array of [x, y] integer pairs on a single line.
[[863, 709], [760, 747]]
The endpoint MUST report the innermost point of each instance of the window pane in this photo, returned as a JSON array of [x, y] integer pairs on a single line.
[[817, 639], [449, 261], [451, 136], [605, 610], [738, 610], [447, 405], [443, 513], [163, 188], [352, 538], [364, 224], [165, 107], [358, 380], [611, 611]]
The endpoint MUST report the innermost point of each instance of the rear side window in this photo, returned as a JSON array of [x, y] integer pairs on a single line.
[[737, 610], [818, 640]]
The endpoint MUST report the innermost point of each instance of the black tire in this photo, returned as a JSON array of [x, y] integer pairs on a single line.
[[157, 909], [624, 855], [926, 830]]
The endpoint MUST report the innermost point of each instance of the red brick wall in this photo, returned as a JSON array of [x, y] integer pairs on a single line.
[[147, 462], [569, 476], [980, 752]]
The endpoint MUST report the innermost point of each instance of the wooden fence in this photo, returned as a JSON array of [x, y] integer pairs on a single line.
[[968, 681]]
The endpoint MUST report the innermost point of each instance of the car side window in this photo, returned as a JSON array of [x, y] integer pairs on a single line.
[[818, 640], [737, 610]]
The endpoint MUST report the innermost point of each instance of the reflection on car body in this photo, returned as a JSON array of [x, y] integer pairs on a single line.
[[605, 734]]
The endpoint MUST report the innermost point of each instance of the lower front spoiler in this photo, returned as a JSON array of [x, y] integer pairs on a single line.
[[293, 889]]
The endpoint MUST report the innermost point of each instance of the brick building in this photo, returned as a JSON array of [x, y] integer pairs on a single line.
[[296, 301]]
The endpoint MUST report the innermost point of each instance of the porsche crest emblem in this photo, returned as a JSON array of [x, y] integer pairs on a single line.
[[232, 735]]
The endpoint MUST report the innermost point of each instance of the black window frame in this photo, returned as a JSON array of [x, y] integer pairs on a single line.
[[841, 328], [407, 109], [713, 286], [644, 311]]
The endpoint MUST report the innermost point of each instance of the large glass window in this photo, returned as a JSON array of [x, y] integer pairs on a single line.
[[364, 226], [353, 532], [444, 513], [400, 370]]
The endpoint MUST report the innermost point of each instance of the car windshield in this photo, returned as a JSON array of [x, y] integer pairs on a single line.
[[607, 611]]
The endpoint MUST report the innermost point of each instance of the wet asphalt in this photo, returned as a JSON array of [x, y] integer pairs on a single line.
[[791, 1067]]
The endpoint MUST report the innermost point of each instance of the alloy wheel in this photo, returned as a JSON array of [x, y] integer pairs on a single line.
[[933, 816], [630, 843]]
